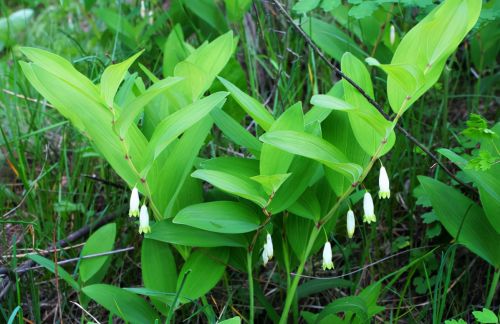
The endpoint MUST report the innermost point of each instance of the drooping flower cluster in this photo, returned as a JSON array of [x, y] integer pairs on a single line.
[[142, 213], [368, 216]]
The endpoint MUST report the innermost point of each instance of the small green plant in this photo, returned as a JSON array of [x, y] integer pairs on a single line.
[[282, 200]]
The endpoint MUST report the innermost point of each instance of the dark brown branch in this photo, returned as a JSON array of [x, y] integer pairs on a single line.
[[6, 283], [332, 66]]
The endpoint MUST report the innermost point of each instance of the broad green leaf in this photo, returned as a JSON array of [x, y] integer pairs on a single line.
[[130, 112], [112, 77], [233, 165], [175, 169], [168, 232], [158, 269], [210, 58], [272, 159], [124, 304], [198, 81], [119, 24], [207, 267], [428, 45], [406, 76], [315, 286], [351, 304], [232, 320], [89, 116], [174, 50], [302, 171], [237, 185], [174, 125], [337, 129], [63, 69], [463, 219], [220, 216], [51, 266], [331, 102], [488, 184], [368, 125], [235, 132], [304, 6], [332, 40], [100, 241], [252, 106], [315, 148], [271, 183], [485, 316], [307, 206], [209, 12], [236, 9]]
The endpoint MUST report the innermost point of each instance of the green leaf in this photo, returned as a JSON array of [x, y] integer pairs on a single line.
[[237, 185], [130, 112], [488, 184], [304, 6], [51, 266], [233, 320], [351, 304], [235, 132], [272, 159], [362, 10], [233, 165], [219, 216], [174, 50], [100, 241], [175, 124], [168, 232], [209, 12], [331, 39], [315, 286], [252, 107], [271, 183], [210, 59], [112, 77], [463, 219], [331, 102], [427, 46], [485, 316], [174, 171], [368, 125], [200, 281], [315, 148], [158, 270], [124, 304]]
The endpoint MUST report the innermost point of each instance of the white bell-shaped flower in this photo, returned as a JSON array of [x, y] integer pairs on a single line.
[[351, 223], [368, 209], [383, 183], [134, 203], [269, 246], [265, 256], [327, 257], [144, 221], [392, 34], [143, 9]]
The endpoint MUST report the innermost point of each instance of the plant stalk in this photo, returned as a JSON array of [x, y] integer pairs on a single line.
[[250, 286], [493, 288], [290, 296]]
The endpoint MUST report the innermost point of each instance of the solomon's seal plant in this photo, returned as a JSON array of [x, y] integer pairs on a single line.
[[298, 173]]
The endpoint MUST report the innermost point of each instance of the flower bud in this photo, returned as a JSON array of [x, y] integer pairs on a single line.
[[351, 223], [327, 257], [368, 209], [144, 220], [392, 35], [134, 203], [383, 183]]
